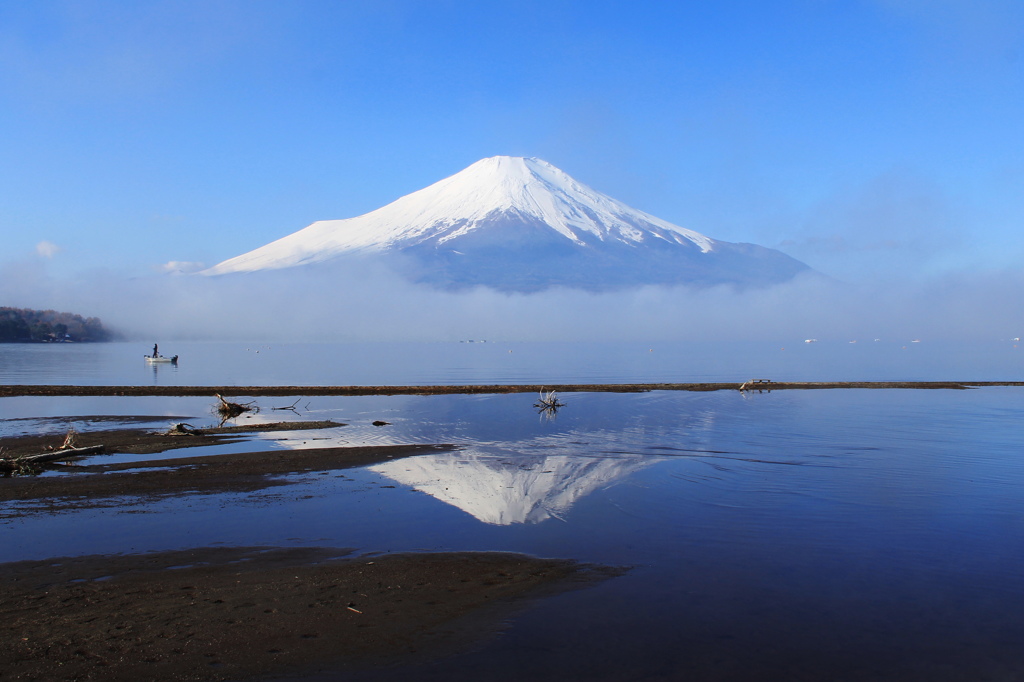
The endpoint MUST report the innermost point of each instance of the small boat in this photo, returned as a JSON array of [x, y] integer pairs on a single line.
[[161, 358]]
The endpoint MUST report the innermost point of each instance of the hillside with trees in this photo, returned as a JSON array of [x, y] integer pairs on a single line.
[[19, 325]]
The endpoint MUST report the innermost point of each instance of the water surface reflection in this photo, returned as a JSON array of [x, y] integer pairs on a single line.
[[855, 534], [503, 490]]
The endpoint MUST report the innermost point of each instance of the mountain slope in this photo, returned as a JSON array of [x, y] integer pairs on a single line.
[[521, 224]]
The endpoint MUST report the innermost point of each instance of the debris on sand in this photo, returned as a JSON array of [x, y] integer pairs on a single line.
[[183, 429], [27, 464]]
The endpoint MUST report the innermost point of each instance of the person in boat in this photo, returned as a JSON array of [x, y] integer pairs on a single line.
[[156, 353]]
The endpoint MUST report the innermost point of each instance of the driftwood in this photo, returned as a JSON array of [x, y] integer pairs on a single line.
[[291, 407], [69, 440], [548, 404], [549, 401], [183, 429], [229, 409], [18, 463], [757, 384], [66, 453]]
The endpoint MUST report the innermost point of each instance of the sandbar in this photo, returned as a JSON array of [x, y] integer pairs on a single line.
[[102, 485], [248, 612], [62, 390]]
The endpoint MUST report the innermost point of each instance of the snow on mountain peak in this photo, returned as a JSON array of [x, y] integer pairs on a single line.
[[526, 189]]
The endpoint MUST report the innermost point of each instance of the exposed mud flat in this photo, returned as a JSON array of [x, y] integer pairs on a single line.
[[105, 485], [148, 441], [108, 485], [246, 613]]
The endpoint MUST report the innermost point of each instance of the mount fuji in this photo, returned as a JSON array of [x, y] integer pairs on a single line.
[[521, 224]]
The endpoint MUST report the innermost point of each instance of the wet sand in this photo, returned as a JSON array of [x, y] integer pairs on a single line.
[[246, 613], [144, 441], [107, 485], [103, 485], [61, 390]]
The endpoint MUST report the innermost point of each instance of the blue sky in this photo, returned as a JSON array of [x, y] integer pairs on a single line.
[[869, 138]]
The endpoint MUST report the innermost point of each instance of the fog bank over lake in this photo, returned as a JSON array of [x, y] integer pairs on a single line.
[[363, 302]]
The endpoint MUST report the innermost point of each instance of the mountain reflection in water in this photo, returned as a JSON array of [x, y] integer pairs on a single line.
[[528, 489]]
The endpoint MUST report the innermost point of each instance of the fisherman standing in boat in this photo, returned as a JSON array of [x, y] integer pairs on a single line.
[[155, 353]]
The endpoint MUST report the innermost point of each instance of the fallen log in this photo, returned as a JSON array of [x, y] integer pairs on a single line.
[[56, 455]]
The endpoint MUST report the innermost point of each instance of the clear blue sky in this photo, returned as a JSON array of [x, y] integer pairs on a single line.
[[861, 136]]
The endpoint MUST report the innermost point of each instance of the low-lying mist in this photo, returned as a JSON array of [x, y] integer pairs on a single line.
[[369, 303]]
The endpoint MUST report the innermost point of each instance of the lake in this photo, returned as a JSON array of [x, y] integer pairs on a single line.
[[803, 535], [485, 362]]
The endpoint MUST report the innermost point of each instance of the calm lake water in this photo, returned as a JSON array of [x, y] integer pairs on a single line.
[[797, 535], [494, 362]]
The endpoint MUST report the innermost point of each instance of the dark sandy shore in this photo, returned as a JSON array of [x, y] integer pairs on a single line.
[[246, 613], [143, 441], [97, 484], [60, 390], [108, 485]]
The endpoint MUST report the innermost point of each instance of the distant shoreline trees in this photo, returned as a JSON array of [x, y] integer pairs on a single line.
[[21, 325]]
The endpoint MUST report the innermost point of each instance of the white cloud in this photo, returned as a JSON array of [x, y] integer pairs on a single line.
[[178, 267], [47, 249]]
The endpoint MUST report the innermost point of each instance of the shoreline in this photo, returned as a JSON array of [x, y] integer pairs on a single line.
[[125, 484], [232, 613], [17, 390], [100, 484]]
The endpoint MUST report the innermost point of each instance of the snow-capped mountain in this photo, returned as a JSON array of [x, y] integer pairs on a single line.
[[521, 224]]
